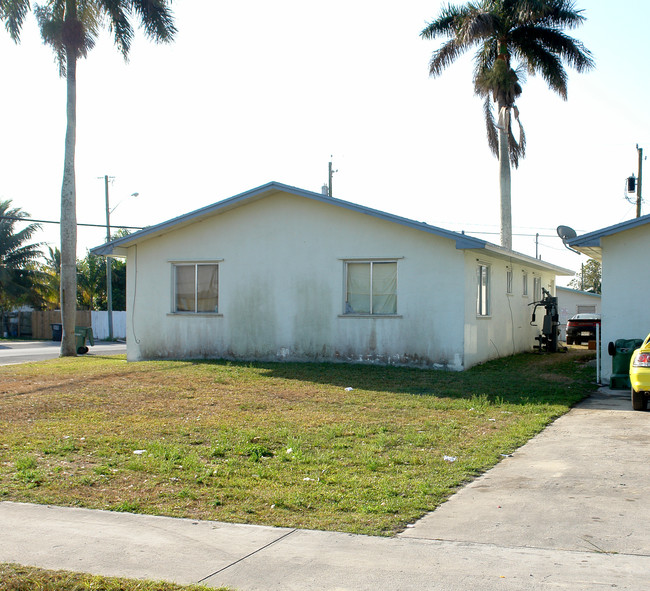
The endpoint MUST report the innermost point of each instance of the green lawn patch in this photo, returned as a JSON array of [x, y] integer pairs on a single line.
[[267, 443], [26, 578]]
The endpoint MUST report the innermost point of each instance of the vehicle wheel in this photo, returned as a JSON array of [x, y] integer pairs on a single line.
[[82, 350], [639, 400], [569, 340]]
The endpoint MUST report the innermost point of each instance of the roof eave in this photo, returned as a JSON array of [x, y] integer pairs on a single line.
[[506, 254]]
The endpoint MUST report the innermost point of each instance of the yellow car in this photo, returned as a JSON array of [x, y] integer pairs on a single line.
[[640, 375]]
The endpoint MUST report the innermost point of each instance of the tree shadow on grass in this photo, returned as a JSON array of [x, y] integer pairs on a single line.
[[521, 379]]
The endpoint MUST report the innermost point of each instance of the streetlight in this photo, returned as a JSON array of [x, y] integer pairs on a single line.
[[109, 260]]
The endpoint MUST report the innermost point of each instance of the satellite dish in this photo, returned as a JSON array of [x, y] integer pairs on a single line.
[[567, 233]]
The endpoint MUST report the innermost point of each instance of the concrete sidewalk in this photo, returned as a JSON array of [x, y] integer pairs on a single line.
[[566, 511]]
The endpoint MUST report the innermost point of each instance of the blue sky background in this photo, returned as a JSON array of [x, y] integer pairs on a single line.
[[254, 91]]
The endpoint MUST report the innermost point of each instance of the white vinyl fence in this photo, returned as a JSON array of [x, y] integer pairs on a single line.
[[100, 325]]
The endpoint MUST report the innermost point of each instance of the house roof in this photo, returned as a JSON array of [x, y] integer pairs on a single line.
[[578, 291], [119, 246], [590, 244]]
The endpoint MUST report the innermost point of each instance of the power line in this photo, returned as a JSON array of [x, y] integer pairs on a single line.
[[30, 220]]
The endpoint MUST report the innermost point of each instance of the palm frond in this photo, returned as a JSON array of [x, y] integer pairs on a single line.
[[13, 13], [446, 24], [445, 56], [479, 24], [485, 57], [540, 60], [517, 149], [157, 19], [118, 24], [491, 126], [562, 14], [571, 50]]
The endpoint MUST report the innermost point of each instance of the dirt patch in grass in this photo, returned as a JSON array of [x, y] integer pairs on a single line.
[[277, 444]]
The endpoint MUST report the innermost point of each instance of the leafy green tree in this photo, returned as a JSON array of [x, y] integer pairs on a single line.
[[529, 32], [51, 283], [71, 27], [18, 270], [590, 277], [91, 283], [119, 284]]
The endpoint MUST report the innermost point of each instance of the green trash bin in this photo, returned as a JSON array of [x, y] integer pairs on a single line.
[[83, 334], [621, 352]]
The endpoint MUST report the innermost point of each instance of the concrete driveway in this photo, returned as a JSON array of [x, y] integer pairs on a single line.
[[566, 511], [25, 351], [582, 485]]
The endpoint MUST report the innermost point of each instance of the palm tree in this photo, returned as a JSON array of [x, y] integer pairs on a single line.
[[532, 33], [71, 27], [17, 269]]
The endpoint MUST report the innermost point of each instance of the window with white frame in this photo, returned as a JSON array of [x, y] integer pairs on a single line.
[[371, 287], [524, 289], [483, 291], [537, 288], [196, 288], [509, 281]]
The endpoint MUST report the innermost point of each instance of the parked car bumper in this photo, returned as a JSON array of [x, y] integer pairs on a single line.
[[640, 378]]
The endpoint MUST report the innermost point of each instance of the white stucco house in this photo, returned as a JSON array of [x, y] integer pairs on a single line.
[[622, 250], [280, 273], [574, 301]]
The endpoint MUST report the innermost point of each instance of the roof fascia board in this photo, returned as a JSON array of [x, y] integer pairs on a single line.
[[592, 239], [505, 254]]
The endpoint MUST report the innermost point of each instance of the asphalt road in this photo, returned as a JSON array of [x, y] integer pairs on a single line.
[[12, 352]]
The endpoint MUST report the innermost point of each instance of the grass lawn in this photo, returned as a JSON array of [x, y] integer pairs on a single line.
[[26, 578], [276, 444]]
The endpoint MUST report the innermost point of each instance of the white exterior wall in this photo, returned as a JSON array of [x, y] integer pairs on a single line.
[[507, 329], [626, 280], [281, 289], [568, 302]]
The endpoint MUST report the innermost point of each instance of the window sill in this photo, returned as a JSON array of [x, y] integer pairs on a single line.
[[196, 314], [370, 316], [484, 317]]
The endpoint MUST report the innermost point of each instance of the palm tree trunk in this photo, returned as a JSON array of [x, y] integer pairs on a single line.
[[69, 215], [504, 178]]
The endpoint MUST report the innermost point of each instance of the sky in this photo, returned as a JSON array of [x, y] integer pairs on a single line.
[[253, 91]]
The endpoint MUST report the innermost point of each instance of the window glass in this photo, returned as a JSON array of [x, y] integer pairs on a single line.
[[483, 293], [207, 283], [196, 288], [358, 293], [371, 288], [384, 288], [185, 281], [509, 281], [525, 284]]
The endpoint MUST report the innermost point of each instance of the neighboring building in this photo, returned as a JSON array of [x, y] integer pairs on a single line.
[[622, 249], [279, 273], [572, 301]]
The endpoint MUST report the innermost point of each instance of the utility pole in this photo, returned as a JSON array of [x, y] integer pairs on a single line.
[[331, 172], [109, 265], [638, 186]]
